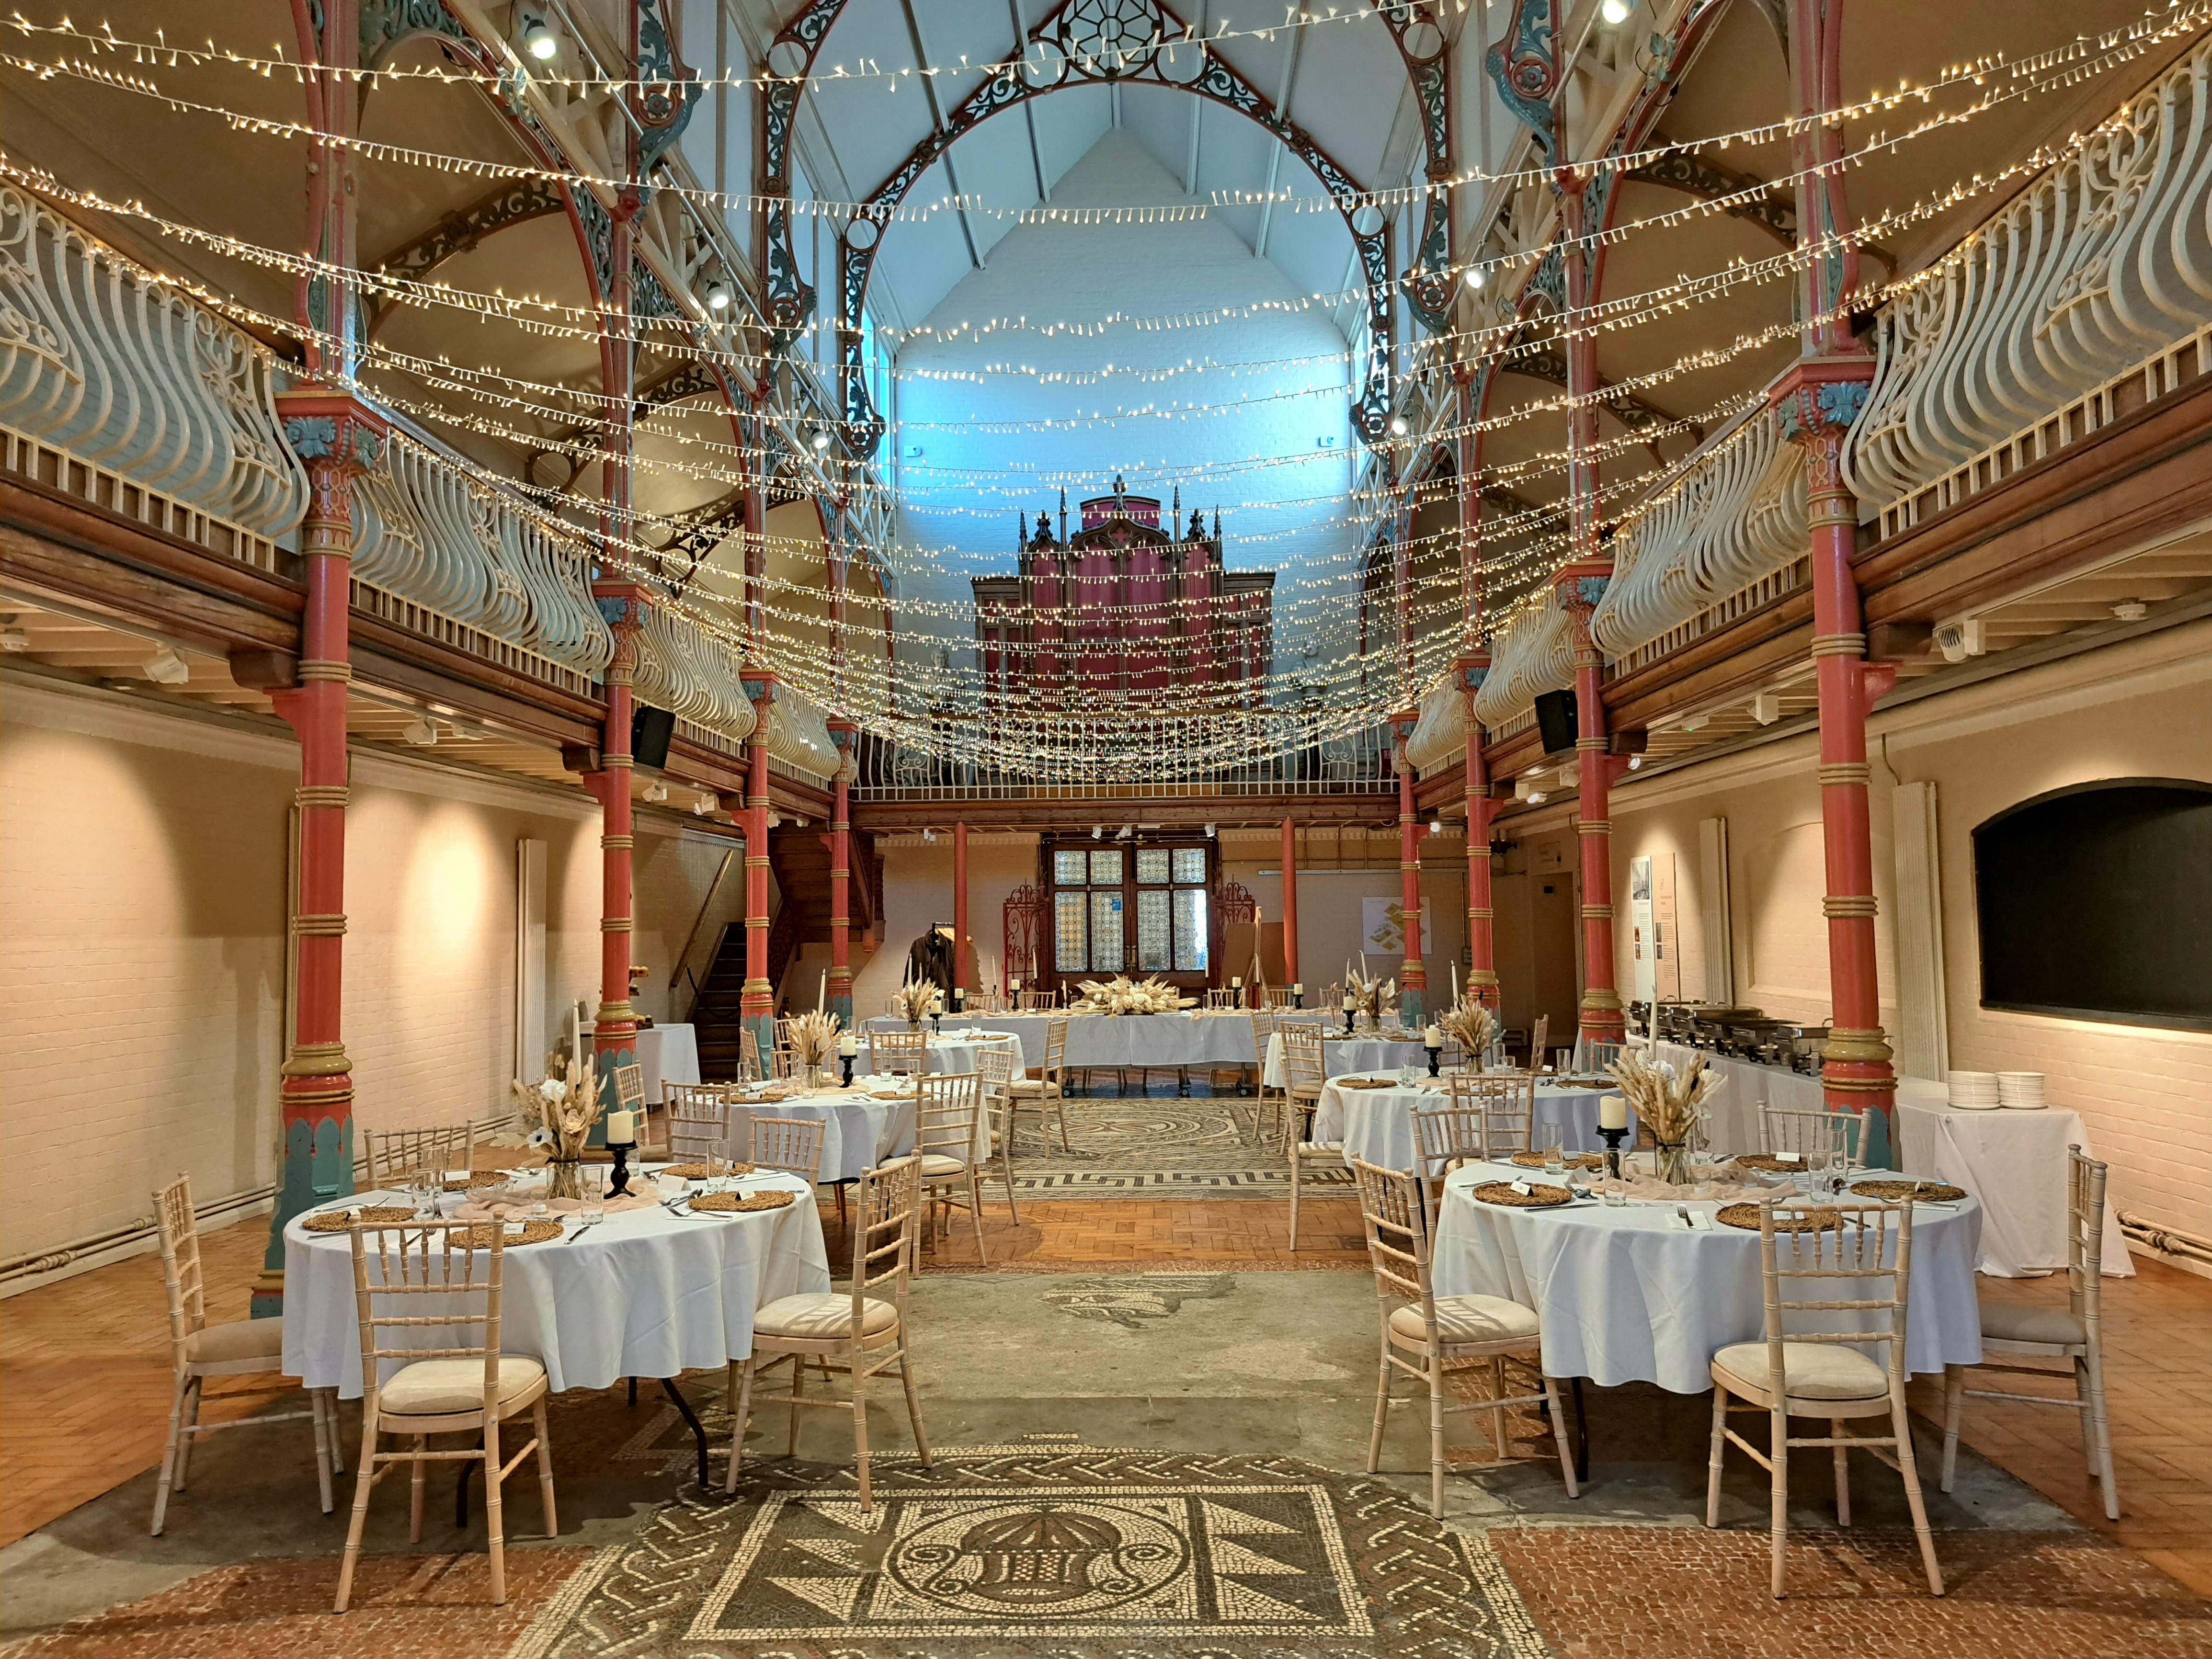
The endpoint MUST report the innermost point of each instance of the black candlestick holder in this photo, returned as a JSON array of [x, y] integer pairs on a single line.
[[1435, 1056], [1347, 1022], [1298, 998], [936, 1023], [1612, 1138], [846, 1061], [618, 1183]]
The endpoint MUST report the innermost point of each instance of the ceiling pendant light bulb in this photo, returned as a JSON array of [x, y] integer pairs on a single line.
[[1475, 277], [718, 296], [539, 41], [1615, 12], [821, 439], [1398, 426]]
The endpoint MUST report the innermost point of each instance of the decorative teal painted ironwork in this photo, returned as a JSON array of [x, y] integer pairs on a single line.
[[1525, 67]]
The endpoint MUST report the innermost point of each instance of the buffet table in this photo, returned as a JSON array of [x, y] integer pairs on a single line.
[[2014, 1162], [1628, 1294], [1745, 1090], [1376, 1125]]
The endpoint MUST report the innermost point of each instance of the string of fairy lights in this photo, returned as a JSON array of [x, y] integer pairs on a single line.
[[907, 702]]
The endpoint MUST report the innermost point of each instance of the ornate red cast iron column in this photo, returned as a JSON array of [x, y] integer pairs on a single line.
[[847, 737], [1481, 812], [1412, 977], [1815, 403], [338, 439], [614, 1028], [959, 907], [756, 1005], [1290, 900]]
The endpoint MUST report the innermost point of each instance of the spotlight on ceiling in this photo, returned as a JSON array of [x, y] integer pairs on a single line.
[[1615, 12], [1436, 826], [656, 792], [2126, 611], [718, 296], [1097, 832], [1398, 426], [1128, 833], [820, 438], [1536, 797], [1476, 276], [929, 836], [422, 733], [705, 805], [1636, 762], [165, 667], [1209, 832], [539, 41], [13, 640]]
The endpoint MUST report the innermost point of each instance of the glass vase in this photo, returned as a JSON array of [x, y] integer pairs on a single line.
[[564, 1178], [1673, 1161]]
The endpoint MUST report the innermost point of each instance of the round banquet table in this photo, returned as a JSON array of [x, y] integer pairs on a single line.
[[962, 1050], [862, 1125], [1376, 1125], [1628, 1294], [644, 1293], [1357, 1056]]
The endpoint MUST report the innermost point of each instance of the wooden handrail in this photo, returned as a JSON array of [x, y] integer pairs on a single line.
[[676, 970]]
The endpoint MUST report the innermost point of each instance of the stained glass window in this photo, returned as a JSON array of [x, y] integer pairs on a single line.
[[1190, 939], [1105, 933], [1106, 867], [1190, 864], [1155, 950], [1068, 868], [1153, 867], [1068, 954]]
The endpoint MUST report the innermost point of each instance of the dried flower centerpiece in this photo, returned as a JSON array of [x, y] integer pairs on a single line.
[[560, 1111], [917, 999], [1370, 997], [1472, 1025], [1122, 995], [812, 1039], [1673, 1108]]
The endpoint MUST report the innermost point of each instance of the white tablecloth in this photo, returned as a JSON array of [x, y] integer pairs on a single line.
[[1357, 1056], [859, 1131], [644, 1293], [1377, 1124], [1629, 1295], [666, 1054], [2016, 1163], [1108, 1042]]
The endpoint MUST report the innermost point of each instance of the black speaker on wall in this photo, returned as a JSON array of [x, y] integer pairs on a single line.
[[650, 729], [1556, 720]]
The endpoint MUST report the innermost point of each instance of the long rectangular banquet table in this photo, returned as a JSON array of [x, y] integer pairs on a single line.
[[1628, 1294], [1108, 1042]]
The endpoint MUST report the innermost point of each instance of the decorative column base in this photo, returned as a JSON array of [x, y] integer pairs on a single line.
[[1856, 1075], [614, 1045], [316, 1103], [840, 996]]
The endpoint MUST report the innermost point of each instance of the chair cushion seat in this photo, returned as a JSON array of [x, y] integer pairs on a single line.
[[241, 1338], [1467, 1319], [936, 1165], [818, 1315], [444, 1388], [1045, 1090], [2052, 1325], [1810, 1370]]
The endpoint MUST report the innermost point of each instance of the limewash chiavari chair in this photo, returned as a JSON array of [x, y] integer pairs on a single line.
[[898, 1051], [1031, 1002], [1269, 1102], [1305, 1074], [1047, 1089], [466, 1386], [1506, 1102], [698, 1123], [749, 1058], [945, 1112], [2075, 1335], [783, 1064], [1841, 1135], [1543, 1035], [1848, 1266], [1224, 999], [1442, 1329], [995, 1070], [198, 1350], [394, 1155], [1445, 1136], [860, 1330], [790, 1143]]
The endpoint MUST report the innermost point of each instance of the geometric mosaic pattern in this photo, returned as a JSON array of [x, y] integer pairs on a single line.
[[1044, 1547], [1160, 1146]]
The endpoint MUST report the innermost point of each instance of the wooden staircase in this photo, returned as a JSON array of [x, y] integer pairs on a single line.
[[800, 860]]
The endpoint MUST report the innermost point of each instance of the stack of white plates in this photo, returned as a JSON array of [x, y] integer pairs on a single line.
[[1973, 1091], [2021, 1091]]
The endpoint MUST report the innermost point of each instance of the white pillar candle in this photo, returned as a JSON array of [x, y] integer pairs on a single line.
[[848, 1045], [1432, 1038], [1237, 984], [1299, 989], [621, 1129], [1612, 1112], [1351, 1002]]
